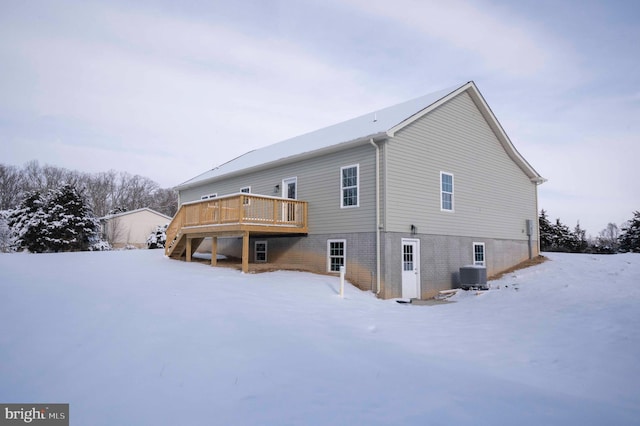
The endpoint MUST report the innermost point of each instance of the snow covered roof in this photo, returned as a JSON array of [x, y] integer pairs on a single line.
[[111, 216], [376, 124]]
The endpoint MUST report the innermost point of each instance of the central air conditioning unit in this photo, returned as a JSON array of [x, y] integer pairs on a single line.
[[473, 276]]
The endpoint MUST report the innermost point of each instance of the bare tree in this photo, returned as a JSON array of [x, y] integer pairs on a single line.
[[608, 237], [11, 187], [53, 177], [165, 201], [134, 192], [44, 178], [33, 178], [113, 230], [101, 189]]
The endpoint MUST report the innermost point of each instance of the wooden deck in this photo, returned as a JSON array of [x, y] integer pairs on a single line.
[[233, 215]]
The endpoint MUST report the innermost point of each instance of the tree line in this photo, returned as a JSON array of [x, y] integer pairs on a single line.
[[613, 239], [107, 192], [51, 209]]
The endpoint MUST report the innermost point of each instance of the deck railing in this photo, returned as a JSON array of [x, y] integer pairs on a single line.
[[238, 209]]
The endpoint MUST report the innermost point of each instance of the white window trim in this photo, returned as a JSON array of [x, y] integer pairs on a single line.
[[342, 188], [209, 196], [255, 251], [484, 254], [453, 190], [344, 254]]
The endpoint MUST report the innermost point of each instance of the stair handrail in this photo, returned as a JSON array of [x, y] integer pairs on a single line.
[[174, 227]]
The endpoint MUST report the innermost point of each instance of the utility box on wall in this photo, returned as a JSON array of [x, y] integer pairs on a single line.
[[529, 227]]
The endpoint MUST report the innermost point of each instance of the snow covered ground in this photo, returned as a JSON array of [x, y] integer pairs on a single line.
[[133, 338]]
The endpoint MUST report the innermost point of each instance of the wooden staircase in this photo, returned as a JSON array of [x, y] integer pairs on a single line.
[[178, 250]]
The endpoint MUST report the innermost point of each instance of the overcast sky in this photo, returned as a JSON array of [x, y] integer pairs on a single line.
[[169, 89]]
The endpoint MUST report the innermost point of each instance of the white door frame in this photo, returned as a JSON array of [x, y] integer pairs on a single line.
[[408, 293]]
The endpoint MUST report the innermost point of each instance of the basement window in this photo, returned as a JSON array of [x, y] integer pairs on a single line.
[[478, 254], [260, 251], [336, 254]]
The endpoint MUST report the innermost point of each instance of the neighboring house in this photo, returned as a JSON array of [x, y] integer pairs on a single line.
[[403, 197], [131, 228]]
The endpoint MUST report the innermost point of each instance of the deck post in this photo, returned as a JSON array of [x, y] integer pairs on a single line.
[[214, 251], [245, 252], [275, 212], [188, 249]]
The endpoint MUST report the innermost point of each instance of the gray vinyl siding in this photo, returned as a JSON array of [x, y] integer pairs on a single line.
[[492, 196], [318, 184]]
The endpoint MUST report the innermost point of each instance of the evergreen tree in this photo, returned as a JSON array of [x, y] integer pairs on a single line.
[[158, 237], [546, 231], [563, 239], [580, 239], [59, 220], [630, 237], [27, 223], [71, 225]]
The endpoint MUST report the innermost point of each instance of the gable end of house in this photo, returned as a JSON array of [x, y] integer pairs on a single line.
[[491, 119]]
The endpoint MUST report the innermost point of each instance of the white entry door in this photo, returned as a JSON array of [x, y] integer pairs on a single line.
[[290, 191], [410, 268]]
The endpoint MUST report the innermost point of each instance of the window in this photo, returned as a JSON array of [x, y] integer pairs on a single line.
[[261, 251], [446, 191], [478, 254], [336, 254], [407, 257], [246, 190], [349, 186], [206, 197]]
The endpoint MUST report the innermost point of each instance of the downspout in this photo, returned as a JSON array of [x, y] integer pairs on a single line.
[[537, 219], [378, 288]]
